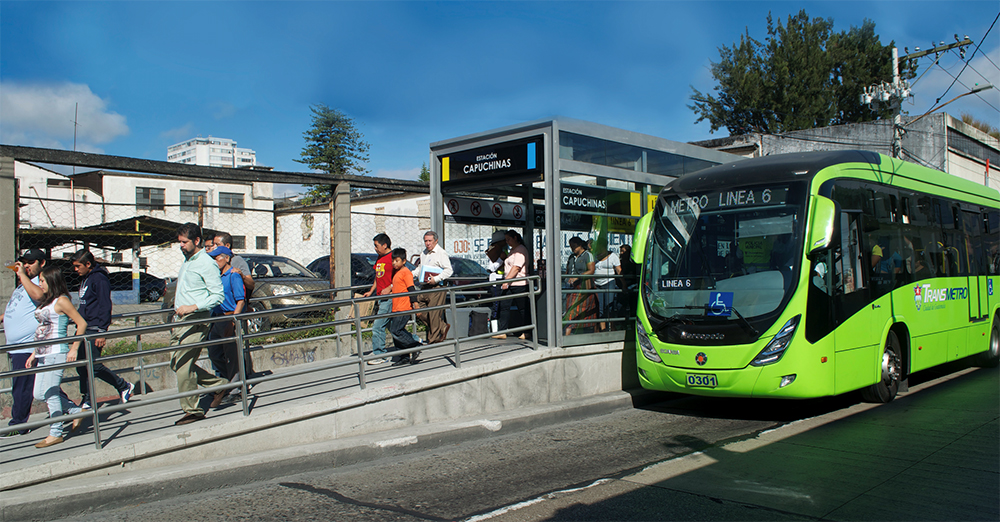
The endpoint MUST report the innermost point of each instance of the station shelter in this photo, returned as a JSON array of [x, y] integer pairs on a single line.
[[560, 178]]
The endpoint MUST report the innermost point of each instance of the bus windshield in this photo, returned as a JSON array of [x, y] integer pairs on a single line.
[[724, 255]]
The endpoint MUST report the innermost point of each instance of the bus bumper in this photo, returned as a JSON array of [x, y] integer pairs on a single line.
[[757, 382]]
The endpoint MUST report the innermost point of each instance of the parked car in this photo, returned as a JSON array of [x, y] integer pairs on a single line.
[[362, 268], [151, 288], [276, 276], [467, 272]]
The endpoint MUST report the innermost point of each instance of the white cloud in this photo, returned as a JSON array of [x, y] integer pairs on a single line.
[[42, 115], [178, 134], [223, 110]]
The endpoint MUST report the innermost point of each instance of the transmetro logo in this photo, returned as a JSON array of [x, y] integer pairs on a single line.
[[927, 298]]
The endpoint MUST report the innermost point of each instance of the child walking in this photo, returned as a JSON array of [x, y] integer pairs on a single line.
[[52, 314], [402, 282]]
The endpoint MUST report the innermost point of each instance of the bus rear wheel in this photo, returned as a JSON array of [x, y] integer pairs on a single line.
[[991, 357], [891, 369]]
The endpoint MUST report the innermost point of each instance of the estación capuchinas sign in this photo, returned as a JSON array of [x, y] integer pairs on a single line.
[[506, 163]]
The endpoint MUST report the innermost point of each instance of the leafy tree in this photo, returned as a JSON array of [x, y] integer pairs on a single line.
[[425, 174], [333, 145], [801, 77]]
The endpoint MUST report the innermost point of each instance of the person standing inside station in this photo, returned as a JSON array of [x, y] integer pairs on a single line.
[[436, 269], [497, 254], [199, 289], [95, 307], [580, 305], [514, 267], [381, 286]]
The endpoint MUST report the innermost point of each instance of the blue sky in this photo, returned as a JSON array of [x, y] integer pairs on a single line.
[[150, 74]]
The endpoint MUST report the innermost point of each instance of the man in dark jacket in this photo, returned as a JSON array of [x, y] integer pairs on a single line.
[[95, 307]]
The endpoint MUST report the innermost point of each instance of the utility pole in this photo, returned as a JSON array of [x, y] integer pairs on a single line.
[[893, 94]]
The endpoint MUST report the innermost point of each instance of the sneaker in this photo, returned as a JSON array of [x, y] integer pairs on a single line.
[[375, 362], [13, 434], [127, 394]]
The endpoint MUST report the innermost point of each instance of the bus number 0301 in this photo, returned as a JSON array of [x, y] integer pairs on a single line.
[[702, 380]]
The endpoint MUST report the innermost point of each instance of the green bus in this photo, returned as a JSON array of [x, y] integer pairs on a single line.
[[815, 274]]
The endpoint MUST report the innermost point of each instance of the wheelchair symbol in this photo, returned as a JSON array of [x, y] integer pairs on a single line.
[[720, 304]]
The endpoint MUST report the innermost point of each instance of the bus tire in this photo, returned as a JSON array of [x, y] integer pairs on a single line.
[[891, 371], [991, 357]]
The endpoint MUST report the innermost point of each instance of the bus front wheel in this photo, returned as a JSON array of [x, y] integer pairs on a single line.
[[991, 357], [891, 370]]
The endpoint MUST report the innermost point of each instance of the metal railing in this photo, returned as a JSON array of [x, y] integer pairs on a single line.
[[351, 325]]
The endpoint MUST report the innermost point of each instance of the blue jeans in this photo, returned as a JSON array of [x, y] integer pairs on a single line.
[[379, 325], [47, 389]]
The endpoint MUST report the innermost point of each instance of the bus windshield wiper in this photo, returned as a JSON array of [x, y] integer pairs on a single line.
[[674, 318], [750, 326]]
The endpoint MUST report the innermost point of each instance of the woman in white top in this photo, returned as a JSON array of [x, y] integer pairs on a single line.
[[607, 266], [52, 314]]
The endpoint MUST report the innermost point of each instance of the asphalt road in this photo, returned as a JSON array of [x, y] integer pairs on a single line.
[[683, 458]]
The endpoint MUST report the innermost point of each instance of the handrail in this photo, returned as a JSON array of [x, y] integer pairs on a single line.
[[243, 381]]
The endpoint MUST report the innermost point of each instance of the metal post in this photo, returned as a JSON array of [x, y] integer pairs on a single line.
[[91, 390], [454, 317], [534, 314], [241, 371], [138, 348], [361, 348]]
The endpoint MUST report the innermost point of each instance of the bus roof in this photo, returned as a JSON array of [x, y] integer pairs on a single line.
[[803, 166]]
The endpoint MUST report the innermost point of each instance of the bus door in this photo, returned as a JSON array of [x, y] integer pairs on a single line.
[[972, 224], [859, 316]]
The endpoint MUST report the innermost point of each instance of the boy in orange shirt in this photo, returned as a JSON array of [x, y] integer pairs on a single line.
[[402, 282]]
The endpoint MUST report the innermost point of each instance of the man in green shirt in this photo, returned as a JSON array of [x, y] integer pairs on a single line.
[[199, 289]]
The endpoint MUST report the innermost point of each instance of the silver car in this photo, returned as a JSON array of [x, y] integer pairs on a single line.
[[276, 277]]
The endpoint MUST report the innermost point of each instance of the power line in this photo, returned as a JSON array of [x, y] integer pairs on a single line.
[[969, 88], [974, 51]]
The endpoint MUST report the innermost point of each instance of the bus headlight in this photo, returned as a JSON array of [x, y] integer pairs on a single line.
[[776, 348], [645, 344]]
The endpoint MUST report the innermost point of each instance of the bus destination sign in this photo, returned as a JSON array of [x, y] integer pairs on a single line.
[[727, 199]]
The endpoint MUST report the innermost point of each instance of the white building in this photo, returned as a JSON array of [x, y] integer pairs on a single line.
[[243, 209], [211, 152]]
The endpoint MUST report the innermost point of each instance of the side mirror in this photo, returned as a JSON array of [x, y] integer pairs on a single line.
[[639, 239], [823, 222]]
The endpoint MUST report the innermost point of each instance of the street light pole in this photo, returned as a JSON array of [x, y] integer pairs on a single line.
[[977, 88]]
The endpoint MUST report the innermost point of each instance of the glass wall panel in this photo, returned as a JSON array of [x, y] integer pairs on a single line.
[[597, 221], [600, 152]]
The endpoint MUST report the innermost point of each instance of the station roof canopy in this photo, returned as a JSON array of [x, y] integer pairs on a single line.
[[116, 235]]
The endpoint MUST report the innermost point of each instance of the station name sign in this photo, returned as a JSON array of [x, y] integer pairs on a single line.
[[510, 162]]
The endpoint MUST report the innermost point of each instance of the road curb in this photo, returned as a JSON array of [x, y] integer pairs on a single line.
[[97, 491]]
